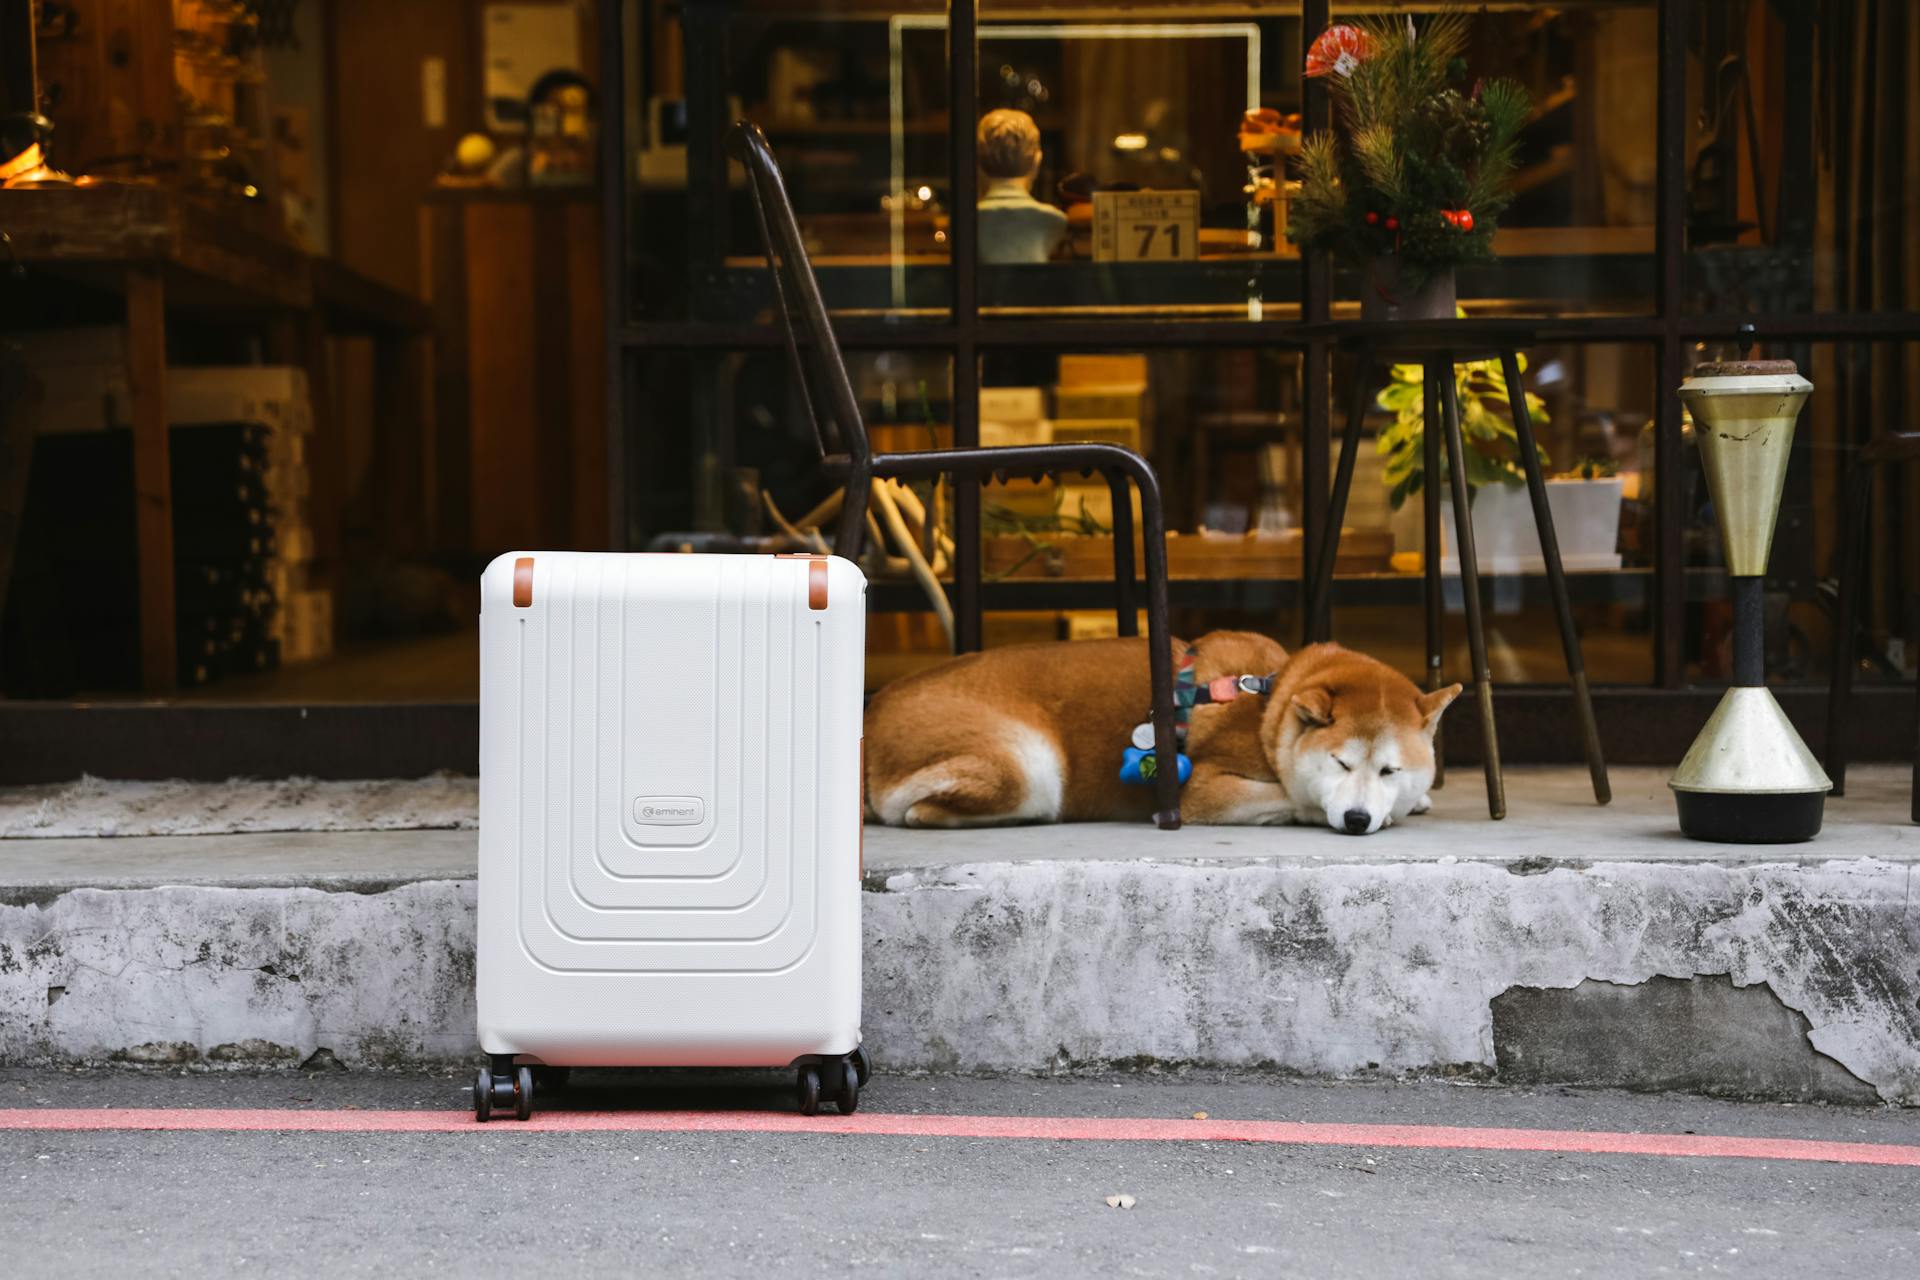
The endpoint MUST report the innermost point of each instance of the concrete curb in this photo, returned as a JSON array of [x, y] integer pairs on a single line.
[[1589, 974]]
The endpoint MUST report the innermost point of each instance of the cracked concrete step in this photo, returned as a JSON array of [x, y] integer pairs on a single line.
[[1572, 944]]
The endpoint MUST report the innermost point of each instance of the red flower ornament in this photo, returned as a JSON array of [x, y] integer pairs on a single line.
[[1338, 51]]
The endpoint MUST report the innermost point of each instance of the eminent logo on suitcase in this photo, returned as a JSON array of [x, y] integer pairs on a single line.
[[670, 811]]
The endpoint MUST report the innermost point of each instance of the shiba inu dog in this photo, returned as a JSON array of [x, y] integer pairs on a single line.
[[1035, 733]]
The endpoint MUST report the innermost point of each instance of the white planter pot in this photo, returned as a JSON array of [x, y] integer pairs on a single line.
[[1586, 516]]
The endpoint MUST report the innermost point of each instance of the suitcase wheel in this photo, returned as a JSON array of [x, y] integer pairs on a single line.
[[837, 1081], [483, 1096], [862, 1064], [509, 1086], [523, 1093]]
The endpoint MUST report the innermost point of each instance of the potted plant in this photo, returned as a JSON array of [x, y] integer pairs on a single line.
[[1412, 180], [1584, 501]]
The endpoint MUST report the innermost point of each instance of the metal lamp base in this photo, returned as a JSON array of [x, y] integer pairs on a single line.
[[1748, 778], [1735, 817]]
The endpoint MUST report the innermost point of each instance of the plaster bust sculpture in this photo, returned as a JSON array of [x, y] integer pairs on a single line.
[[1014, 227]]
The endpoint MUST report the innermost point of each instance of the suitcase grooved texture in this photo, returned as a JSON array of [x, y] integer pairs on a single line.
[[669, 865]]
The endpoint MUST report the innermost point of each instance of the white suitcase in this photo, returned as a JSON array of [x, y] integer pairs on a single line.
[[670, 818]]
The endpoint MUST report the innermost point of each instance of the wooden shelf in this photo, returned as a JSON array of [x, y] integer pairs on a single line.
[[207, 258], [160, 252]]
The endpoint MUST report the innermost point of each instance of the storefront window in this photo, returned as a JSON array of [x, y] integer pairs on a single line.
[[853, 100], [1802, 179], [1070, 225], [757, 466], [1176, 189], [1223, 429]]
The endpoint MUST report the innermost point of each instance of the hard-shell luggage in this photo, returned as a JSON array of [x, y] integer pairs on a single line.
[[670, 818]]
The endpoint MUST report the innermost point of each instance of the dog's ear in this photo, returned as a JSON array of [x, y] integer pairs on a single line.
[[1314, 706], [1432, 704]]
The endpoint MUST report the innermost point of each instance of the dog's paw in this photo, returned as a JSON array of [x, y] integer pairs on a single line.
[[1423, 805]]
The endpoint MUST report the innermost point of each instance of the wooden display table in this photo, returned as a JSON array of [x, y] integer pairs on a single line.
[[1190, 556], [159, 250]]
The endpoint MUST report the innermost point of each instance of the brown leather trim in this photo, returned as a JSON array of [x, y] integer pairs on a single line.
[[817, 584], [523, 582]]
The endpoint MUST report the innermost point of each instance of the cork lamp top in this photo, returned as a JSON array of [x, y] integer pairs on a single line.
[[1745, 369]]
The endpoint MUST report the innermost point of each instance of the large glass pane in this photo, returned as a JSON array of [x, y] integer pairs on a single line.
[[1111, 170], [853, 99], [1579, 237], [1163, 155], [1804, 172], [1591, 408], [1222, 428], [724, 445]]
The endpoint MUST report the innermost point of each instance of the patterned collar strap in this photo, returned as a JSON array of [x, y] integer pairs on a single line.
[[1189, 693], [1185, 689]]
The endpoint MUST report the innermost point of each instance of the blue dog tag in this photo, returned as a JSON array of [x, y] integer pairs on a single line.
[[1138, 768]]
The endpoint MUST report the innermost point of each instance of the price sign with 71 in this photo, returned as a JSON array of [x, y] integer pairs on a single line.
[[1146, 226]]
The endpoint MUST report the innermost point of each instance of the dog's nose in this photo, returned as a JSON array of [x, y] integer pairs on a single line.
[[1356, 821]]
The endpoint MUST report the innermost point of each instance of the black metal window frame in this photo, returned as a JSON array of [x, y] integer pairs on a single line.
[[1640, 723], [966, 335]]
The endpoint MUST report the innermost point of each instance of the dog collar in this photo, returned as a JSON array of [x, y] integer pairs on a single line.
[[1189, 693]]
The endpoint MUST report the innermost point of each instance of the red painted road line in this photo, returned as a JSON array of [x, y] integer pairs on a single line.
[[1056, 1128]]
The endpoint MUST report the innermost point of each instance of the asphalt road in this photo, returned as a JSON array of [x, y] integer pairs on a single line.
[[504, 1201]]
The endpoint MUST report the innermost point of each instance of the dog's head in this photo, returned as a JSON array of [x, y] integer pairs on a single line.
[[1356, 745]]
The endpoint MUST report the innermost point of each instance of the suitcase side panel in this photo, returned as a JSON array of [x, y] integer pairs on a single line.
[[707, 689]]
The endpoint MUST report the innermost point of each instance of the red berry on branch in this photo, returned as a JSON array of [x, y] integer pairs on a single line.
[[1393, 224], [1373, 218], [1466, 220]]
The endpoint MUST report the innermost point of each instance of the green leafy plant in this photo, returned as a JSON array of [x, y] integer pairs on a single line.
[[1421, 162], [1486, 428]]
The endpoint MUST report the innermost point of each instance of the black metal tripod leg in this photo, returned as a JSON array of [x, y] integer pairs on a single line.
[[1128, 614], [1853, 546], [1320, 591], [1470, 591], [1556, 575], [1431, 431]]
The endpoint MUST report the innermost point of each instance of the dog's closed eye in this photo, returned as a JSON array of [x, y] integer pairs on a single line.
[[1343, 764], [1387, 770]]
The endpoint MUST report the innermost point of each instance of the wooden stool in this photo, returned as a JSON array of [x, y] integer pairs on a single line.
[[1439, 346]]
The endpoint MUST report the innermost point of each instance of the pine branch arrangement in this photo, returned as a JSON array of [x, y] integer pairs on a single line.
[[1421, 162]]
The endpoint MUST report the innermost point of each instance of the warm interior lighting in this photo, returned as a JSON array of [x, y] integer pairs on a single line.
[[25, 162], [1130, 142]]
